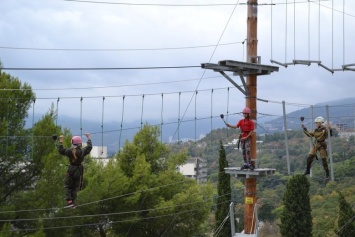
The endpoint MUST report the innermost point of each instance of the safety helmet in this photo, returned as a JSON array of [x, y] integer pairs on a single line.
[[76, 140], [319, 119], [246, 110]]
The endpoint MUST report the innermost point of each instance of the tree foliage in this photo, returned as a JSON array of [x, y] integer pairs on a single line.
[[16, 168], [296, 218], [346, 219], [224, 196]]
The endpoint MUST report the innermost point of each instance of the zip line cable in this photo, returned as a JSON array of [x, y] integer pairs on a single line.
[[204, 71], [95, 224], [162, 5], [216, 233], [175, 215], [111, 213], [95, 68], [103, 214], [113, 50], [103, 200], [177, 5]]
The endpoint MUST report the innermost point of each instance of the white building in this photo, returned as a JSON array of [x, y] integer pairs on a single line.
[[195, 168], [99, 154]]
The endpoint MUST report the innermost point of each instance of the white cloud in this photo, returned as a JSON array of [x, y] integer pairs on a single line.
[[75, 25]]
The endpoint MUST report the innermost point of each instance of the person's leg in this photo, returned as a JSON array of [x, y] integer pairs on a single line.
[[69, 187], [310, 158], [248, 153], [324, 155], [312, 154]]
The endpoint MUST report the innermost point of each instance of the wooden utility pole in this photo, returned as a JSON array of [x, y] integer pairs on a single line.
[[250, 218], [252, 68]]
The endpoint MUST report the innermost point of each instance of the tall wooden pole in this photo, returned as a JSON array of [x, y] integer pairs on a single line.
[[250, 219]]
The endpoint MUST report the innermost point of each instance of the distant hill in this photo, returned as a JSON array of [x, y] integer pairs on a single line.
[[340, 112]]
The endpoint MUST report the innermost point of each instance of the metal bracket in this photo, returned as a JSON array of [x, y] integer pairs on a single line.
[[245, 91]]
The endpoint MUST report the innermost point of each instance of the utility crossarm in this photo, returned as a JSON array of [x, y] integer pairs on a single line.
[[241, 69]]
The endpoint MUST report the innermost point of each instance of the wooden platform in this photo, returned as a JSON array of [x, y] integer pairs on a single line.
[[260, 172], [241, 67]]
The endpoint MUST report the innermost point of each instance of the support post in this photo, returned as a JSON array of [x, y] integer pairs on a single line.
[[286, 138], [330, 148], [231, 217], [250, 183]]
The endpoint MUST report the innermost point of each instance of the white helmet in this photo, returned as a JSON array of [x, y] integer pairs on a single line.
[[319, 119]]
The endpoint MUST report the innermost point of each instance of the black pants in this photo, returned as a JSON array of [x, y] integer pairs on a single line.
[[73, 181]]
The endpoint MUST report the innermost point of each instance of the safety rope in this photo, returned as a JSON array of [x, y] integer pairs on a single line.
[[161, 118], [119, 141], [271, 36], [211, 109], [57, 114], [102, 125], [332, 34], [195, 112], [309, 30], [286, 32], [227, 108], [7, 127], [178, 128], [294, 29], [319, 30], [33, 121], [81, 116], [142, 111], [216, 233], [343, 32]]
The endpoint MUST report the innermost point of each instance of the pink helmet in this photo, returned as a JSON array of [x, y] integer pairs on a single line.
[[76, 140], [246, 110]]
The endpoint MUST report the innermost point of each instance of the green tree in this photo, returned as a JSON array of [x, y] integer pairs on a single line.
[[346, 219], [224, 196], [165, 203], [17, 168], [296, 218]]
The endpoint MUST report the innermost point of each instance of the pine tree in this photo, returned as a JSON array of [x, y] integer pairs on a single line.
[[346, 220], [296, 218], [224, 195]]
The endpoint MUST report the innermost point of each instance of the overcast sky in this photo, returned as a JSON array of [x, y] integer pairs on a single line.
[[111, 34]]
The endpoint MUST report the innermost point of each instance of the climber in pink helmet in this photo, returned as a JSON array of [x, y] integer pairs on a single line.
[[74, 176], [247, 127]]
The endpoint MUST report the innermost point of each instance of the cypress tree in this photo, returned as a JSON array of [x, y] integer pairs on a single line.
[[346, 219], [296, 218], [224, 195]]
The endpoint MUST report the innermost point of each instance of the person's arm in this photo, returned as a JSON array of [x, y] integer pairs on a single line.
[[88, 147], [60, 147], [308, 134], [230, 126]]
